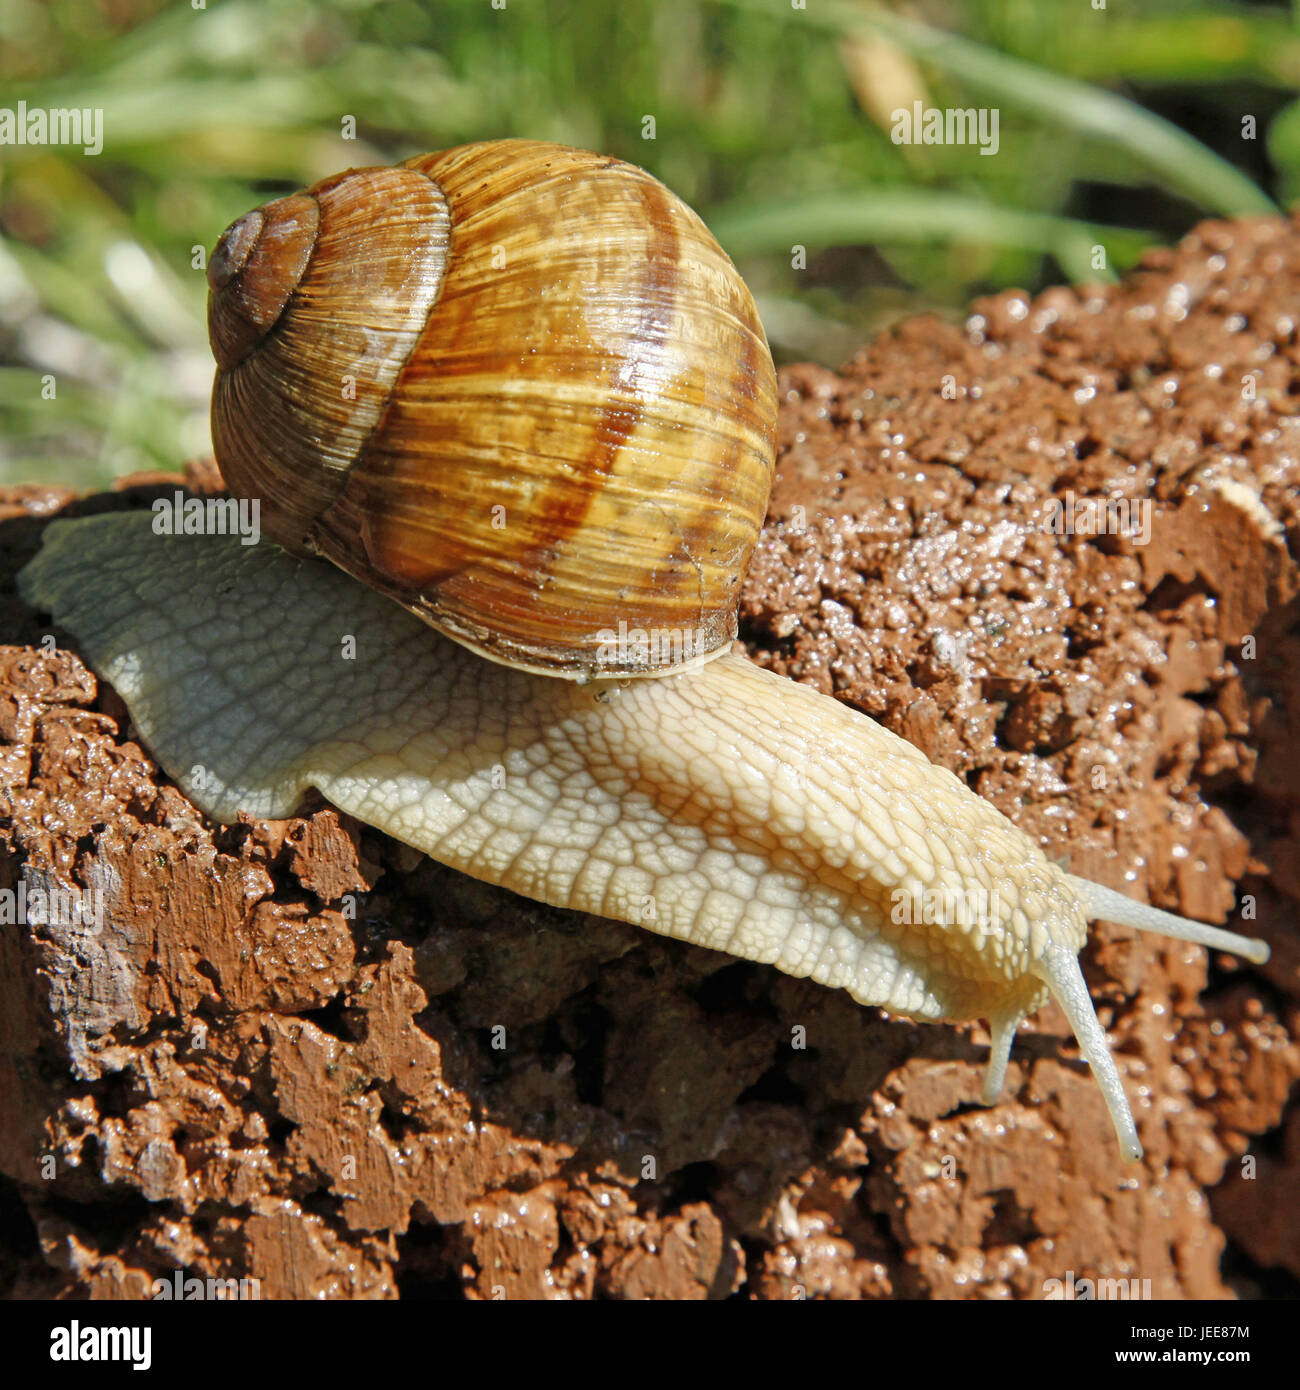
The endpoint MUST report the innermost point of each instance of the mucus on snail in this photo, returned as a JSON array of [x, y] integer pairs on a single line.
[[520, 389]]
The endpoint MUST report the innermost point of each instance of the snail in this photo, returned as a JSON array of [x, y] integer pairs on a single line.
[[521, 394]]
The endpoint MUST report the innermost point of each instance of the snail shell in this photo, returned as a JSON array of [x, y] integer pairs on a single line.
[[517, 387]]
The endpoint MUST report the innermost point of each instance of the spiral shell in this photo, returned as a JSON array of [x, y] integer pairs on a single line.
[[517, 387]]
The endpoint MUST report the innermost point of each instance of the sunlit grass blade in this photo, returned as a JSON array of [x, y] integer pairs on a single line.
[[884, 214], [1181, 163]]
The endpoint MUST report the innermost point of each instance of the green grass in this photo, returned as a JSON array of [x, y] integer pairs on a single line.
[[1117, 128]]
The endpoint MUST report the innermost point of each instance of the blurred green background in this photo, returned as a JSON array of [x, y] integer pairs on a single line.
[[1119, 126]]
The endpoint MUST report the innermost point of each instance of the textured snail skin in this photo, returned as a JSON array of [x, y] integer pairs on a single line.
[[725, 806]]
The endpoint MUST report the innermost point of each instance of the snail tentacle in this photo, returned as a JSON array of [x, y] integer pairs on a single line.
[[1003, 1028], [1060, 970], [1105, 904]]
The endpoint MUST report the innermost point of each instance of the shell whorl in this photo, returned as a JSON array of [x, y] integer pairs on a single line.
[[517, 387], [256, 266], [303, 375]]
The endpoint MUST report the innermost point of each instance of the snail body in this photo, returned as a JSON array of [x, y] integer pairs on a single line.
[[705, 799]]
